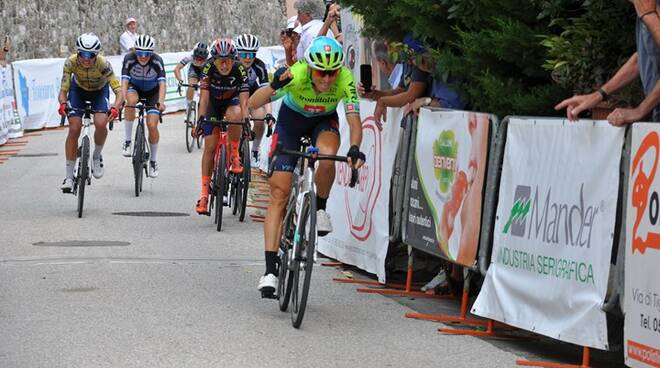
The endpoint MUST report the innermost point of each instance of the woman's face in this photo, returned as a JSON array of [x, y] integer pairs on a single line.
[[323, 80], [224, 65]]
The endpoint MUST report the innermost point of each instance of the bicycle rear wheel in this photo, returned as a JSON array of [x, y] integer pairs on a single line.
[[221, 184], [234, 188], [284, 275], [191, 120], [244, 181], [303, 260], [83, 173], [138, 158]]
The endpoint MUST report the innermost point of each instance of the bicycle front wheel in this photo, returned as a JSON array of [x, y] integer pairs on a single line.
[[221, 184], [138, 158], [284, 276], [303, 259], [83, 173], [244, 180], [191, 120]]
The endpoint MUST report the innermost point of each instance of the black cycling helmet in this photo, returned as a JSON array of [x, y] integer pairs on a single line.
[[201, 50]]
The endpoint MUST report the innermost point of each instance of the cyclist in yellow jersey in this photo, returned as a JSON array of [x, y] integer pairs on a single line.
[[312, 88], [86, 77]]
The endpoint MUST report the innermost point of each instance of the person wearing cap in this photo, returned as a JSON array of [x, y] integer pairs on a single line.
[[127, 39], [310, 15], [290, 37]]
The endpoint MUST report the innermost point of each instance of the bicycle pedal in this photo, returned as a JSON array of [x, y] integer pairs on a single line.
[[269, 295]]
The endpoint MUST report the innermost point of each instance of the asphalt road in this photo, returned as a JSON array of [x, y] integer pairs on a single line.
[[112, 290]]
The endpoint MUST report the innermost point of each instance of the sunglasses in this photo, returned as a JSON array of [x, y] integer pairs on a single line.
[[141, 53], [200, 59], [245, 55], [323, 73], [86, 55]]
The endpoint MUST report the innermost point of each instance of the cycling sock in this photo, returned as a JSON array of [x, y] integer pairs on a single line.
[[128, 129], [320, 203], [97, 150], [154, 152], [206, 180], [69, 168], [271, 263]]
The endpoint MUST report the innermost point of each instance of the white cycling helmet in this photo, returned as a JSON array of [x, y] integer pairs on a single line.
[[144, 43], [247, 42], [88, 42]]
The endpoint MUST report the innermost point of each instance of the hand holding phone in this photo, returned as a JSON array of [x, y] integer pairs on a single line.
[[365, 77]]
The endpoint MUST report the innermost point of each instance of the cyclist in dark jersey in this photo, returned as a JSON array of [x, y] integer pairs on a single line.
[[224, 94], [143, 76], [196, 59], [247, 46], [312, 88]]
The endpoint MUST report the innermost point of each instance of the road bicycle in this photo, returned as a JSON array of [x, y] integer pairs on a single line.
[[191, 119], [141, 150]]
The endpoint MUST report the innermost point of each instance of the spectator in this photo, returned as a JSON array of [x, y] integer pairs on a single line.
[[310, 13], [647, 11], [645, 64], [127, 39], [330, 22], [440, 95], [5, 49], [290, 37], [391, 70]]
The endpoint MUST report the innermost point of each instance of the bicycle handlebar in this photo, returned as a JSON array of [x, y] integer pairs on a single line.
[[142, 107], [280, 150], [195, 86], [90, 111], [269, 120]]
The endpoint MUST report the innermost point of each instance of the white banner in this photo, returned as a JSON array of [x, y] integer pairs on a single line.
[[554, 230], [6, 104], [642, 274], [37, 84], [446, 184], [351, 25], [360, 215]]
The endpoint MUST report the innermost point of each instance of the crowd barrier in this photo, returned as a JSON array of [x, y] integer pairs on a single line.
[[555, 218], [10, 125], [37, 84]]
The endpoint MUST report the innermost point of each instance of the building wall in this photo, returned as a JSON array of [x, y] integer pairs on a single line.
[[48, 28]]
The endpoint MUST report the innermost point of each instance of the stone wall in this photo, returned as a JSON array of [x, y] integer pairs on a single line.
[[48, 28]]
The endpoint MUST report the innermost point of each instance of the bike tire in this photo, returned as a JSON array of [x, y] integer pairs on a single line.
[[199, 134], [138, 158], [284, 275], [83, 173], [234, 188], [244, 180], [303, 260], [191, 120], [221, 185]]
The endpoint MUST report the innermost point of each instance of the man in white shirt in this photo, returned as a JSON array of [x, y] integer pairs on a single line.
[[310, 15], [128, 38]]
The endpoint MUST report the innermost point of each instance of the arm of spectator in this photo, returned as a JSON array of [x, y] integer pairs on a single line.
[[414, 91], [331, 19], [289, 49], [624, 76], [647, 11], [620, 116], [5, 49]]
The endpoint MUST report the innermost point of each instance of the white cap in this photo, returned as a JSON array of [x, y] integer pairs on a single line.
[[292, 23], [129, 20]]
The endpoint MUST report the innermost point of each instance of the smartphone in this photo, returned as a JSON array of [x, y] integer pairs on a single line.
[[365, 76]]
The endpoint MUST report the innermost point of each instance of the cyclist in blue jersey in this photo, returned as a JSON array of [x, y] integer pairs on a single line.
[[312, 88], [143, 76]]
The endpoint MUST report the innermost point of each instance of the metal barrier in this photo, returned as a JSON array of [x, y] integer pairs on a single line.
[[398, 188]]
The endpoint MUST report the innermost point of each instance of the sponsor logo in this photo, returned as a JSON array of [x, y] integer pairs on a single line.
[[550, 221], [327, 48], [361, 200], [314, 108], [445, 150], [642, 176]]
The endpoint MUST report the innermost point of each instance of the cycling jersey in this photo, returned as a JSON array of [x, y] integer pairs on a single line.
[[88, 79], [257, 75], [143, 77], [224, 87], [300, 96], [195, 71]]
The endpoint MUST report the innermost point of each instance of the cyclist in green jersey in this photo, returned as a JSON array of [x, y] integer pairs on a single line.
[[312, 88]]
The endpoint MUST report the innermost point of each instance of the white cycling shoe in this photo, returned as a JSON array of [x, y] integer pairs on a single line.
[[126, 149], [67, 185], [153, 169], [97, 167], [268, 284]]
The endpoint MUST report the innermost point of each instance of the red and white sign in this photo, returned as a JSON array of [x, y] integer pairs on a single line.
[[642, 275], [360, 214]]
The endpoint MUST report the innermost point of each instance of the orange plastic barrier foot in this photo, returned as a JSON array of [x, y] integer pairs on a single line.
[[586, 356], [368, 282], [332, 264], [405, 293], [490, 332]]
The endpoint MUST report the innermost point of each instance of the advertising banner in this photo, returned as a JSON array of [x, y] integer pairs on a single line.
[[360, 215], [642, 274], [6, 105], [446, 184], [37, 84], [353, 42], [554, 229]]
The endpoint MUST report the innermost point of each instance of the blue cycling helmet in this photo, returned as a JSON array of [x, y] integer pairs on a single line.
[[324, 53]]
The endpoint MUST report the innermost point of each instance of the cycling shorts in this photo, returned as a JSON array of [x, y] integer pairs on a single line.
[[77, 97], [151, 96], [216, 110]]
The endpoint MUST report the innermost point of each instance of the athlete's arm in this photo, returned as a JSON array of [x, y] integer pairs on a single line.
[[260, 97], [177, 72], [243, 98], [66, 81], [162, 86], [203, 101]]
